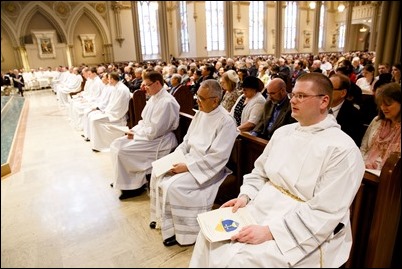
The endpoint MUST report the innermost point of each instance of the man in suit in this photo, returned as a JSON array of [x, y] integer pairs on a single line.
[[277, 111], [346, 114], [18, 81], [176, 83]]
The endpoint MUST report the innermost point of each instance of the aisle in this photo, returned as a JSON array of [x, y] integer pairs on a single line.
[[59, 211]]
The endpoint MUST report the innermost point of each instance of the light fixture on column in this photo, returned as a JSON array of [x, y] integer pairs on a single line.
[[341, 7], [363, 30], [312, 5]]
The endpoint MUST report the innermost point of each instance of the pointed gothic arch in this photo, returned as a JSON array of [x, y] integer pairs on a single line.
[[29, 12]]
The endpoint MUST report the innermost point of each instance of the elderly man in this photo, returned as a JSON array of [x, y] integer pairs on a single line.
[[299, 192], [277, 111], [190, 188], [149, 140]]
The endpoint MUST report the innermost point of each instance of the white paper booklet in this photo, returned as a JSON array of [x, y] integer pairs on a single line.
[[121, 128], [221, 224], [376, 172], [165, 163]]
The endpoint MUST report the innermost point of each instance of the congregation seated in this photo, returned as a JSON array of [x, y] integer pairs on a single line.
[[248, 108], [383, 135], [277, 110], [345, 113]]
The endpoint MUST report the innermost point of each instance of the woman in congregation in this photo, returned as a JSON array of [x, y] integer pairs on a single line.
[[383, 136], [229, 81], [248, 108]]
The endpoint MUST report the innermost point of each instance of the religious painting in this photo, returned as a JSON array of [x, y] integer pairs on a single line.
[[45, 41], [306, 39], [239, 39], [88, 45], [46, 45]]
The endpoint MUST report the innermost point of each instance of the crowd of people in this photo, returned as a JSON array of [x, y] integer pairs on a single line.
[[326, 119]]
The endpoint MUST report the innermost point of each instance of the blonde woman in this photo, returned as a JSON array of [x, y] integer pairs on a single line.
[[229, 81]]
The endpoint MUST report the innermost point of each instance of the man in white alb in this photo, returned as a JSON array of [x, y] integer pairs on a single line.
[[146, 142], [190, 188]]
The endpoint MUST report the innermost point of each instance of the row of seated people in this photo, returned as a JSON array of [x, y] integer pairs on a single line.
[[190, 188], [170, 209]]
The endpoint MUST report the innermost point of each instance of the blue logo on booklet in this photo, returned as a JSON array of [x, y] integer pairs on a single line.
[[229, 225]]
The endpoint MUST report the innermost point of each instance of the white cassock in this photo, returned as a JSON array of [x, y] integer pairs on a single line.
[[153, 139], [114, 113], [320, 165], [72, 84], [176, 200], [101, 103], [79, 106]]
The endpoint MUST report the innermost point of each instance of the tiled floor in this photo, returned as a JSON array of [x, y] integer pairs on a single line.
[[59, 211]]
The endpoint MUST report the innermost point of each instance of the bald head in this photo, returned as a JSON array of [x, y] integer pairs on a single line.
[[276, 90]]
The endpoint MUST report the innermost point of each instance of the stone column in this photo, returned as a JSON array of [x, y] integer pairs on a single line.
[[163, 29], [229, 28], [136, 28], [278, 27]]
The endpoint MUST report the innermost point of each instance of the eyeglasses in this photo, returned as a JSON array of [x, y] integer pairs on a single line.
[[203, 99], [300, 97], [273, 93], [149, 85]]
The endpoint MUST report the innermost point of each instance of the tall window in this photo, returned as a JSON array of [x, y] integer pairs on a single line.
[[215, 26], [256, 22], [290, 25], [341, 40], [321, 28], [183, 27], [149, 31]]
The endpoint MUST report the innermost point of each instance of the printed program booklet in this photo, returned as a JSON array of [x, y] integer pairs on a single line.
[[165, 163], [221, 224]]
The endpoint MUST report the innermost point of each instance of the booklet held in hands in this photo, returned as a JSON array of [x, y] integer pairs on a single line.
[[165, 163], [221, 224]]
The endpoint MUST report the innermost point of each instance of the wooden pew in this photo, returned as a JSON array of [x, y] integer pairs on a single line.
[[185, 99], [135, 107], [375, 217]]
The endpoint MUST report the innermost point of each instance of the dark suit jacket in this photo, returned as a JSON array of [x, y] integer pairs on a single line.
[[350, 120], [283, 118]]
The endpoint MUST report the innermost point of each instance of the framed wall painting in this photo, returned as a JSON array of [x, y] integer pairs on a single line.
[[45, 42], [88, 45]]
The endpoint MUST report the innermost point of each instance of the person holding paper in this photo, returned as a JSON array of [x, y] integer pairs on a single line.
[[190, 187], [299, 192], [151, 139], [383, 136]]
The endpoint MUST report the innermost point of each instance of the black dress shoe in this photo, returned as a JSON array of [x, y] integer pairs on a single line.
[[152, 224], [126, 194], [95, 150], [171, 241], [87, 140]]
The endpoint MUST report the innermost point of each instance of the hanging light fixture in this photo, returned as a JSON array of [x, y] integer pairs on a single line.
[[312, 5], [341, 7], [363, 30]]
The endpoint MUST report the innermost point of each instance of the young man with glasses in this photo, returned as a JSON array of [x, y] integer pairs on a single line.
[[299, 192], [190, 188], [277, 111], [151, 139]]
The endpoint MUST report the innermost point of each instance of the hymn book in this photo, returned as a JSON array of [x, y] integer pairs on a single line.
[[221, 224]]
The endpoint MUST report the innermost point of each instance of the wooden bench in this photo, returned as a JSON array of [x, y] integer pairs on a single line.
[[375, 211], [135, 107]]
